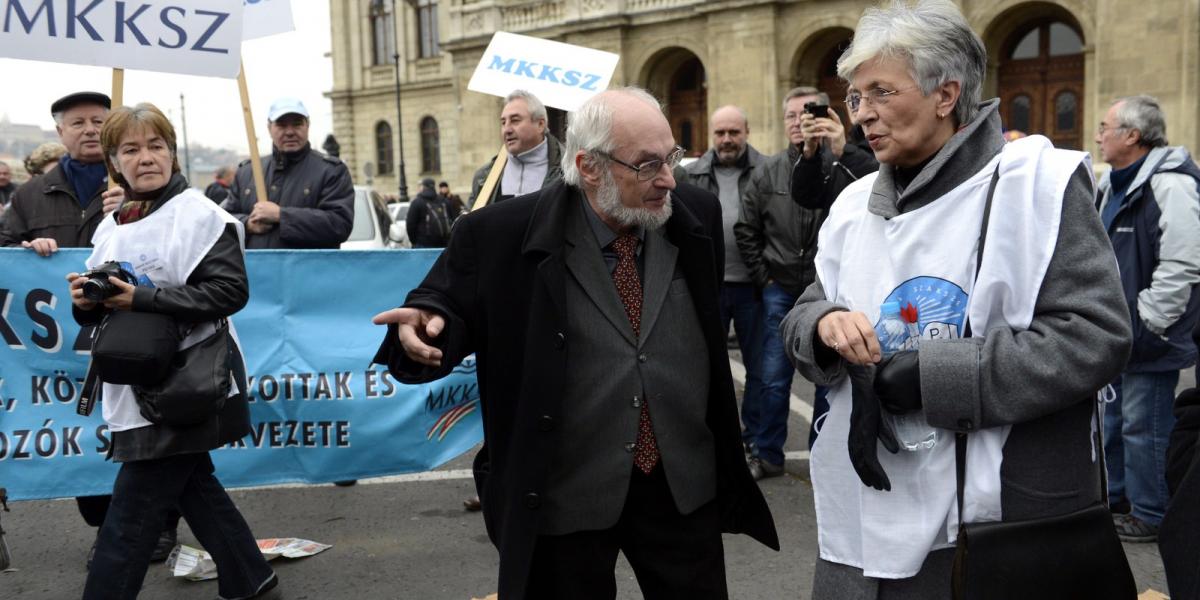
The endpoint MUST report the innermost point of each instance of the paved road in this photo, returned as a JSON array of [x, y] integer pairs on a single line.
[[408, 538]]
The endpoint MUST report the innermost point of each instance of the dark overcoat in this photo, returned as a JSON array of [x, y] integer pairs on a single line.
[[501, 285]]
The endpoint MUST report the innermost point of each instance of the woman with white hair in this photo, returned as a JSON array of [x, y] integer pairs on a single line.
[[1008, 346]]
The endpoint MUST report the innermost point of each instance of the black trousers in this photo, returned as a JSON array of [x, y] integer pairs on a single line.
[[674, 556], [94, 509]]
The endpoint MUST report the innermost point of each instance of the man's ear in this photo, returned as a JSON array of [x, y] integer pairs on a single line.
[[1134, 138], [589, 171]]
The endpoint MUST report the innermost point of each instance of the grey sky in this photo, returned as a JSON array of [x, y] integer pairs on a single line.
[[289, 64]]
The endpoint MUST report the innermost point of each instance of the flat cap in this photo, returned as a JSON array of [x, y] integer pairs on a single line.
[[72, 100]]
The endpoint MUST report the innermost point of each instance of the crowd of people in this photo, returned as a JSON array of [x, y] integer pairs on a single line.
[[1042, 319]]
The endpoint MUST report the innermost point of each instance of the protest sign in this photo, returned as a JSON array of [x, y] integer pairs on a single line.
[[266, 17], [192, 37], [560, 75], [319, 410]]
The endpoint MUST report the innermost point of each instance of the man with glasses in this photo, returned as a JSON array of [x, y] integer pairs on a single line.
[[1150, 206], [777, 240], [610, 419]]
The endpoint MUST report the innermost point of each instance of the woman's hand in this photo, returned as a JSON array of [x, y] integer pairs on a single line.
[[76, 280], [124, 299], [851, 335]]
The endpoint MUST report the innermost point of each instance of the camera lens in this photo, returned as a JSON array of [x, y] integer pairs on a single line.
[[98, 290]]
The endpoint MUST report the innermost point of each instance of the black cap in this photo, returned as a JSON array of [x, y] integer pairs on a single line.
[[427, 182], [71, 100]]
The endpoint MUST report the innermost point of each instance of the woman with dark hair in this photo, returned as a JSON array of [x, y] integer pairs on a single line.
[[187, 255], [1006, 346]]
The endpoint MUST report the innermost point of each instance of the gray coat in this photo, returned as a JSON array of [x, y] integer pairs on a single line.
[[1042, 380]]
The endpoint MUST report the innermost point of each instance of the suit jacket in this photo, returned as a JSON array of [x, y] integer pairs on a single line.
[[501, 286]]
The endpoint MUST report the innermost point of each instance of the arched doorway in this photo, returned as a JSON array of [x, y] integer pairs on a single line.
[[1041, 80], [678, 79], [817, 66]]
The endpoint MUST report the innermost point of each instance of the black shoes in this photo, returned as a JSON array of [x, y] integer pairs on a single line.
[[761, 469]]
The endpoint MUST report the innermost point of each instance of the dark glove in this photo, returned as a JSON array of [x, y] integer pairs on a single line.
[[866, 427], [898, 382]]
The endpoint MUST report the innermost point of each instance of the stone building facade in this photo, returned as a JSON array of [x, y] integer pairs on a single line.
[[1055, 64]]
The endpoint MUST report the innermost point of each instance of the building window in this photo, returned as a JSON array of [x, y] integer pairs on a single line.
[[383, 148], [431, 146], [1066, 112], [1018, 113], [383, 33], [427, 28]]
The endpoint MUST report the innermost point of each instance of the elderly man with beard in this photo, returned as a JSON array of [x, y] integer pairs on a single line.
[[610, 420]]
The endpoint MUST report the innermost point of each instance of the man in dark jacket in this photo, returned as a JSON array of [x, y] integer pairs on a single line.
[[725, 171], [218, 190], [62, 208], [428, 221], [7, 187], [531, 154], [819, 177], [454, 203], [610, 420], [310, 197], [1150, 205]]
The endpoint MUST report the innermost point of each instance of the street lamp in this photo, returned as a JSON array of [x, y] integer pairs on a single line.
[[399, 115]]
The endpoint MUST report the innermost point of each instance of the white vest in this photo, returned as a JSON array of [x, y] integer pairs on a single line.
[[161, 249], [926, 258]]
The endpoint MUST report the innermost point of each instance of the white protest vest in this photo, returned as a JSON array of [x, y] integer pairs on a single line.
[[161, 249], [926, 258]]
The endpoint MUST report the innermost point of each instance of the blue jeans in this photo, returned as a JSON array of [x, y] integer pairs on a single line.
[[769, 428], [142, 494], [1137, 426], [741, 305]]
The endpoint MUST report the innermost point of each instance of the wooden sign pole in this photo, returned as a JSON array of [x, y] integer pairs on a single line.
[[118, 99], [260, 181]]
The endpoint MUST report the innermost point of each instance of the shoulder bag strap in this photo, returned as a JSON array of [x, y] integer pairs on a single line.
[[960, 439]]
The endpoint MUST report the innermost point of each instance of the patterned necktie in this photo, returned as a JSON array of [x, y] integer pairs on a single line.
[[629, 288]]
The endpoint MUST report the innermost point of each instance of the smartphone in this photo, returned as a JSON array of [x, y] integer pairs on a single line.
[[820, 111]]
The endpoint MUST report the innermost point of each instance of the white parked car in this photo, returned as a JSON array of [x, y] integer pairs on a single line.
[[399, 230], [372, 223]]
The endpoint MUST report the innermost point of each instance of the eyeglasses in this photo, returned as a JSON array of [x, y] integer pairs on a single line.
[[1102, 129], [875, 96], [649, 169]]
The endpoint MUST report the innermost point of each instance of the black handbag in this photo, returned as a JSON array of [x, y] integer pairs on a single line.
[[1075, 556], [196, 385], [134, 348]]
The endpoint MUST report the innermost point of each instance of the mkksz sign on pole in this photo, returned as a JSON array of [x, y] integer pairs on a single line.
[[560, 75], [193, 37]]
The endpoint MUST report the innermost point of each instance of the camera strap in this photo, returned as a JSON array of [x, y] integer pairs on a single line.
[[90, 394]]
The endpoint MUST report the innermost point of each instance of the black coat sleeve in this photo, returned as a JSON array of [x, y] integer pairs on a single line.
[[330, 222], [217, 287], [817, 181], [449, 290]]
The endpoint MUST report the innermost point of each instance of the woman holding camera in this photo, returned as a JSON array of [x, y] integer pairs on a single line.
[[186, 255]]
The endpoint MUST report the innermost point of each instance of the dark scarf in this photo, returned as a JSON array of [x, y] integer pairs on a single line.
[[85, 178], [1119, 180], [139, 204], [283, 160]]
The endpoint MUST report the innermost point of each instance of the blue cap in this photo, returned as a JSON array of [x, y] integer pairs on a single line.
[[888, 308], [286, 106]]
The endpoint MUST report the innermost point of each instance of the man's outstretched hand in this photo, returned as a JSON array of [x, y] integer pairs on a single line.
[[418, 328]]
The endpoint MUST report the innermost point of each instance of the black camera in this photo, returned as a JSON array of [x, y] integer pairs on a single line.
[[820, 111], [98, 288]]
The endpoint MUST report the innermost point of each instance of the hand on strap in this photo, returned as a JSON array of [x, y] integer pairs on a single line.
[[898, 382], [867, 426]]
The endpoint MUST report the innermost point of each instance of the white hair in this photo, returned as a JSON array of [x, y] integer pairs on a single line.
[[933, 37], [1144, 114], [589, 129], [537, 110]]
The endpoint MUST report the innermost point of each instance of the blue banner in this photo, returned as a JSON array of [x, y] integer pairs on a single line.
[[320, 412]]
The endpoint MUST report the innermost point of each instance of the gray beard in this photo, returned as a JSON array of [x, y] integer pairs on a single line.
[[608, 198]]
